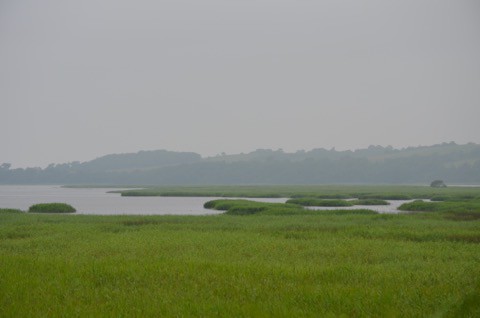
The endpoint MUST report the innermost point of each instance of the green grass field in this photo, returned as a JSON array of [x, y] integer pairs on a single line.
[[312, 264]]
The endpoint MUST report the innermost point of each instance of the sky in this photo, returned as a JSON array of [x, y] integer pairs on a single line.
[[81, 79]]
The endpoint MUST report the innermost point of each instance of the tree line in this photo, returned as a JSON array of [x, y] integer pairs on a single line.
[[449, 162]]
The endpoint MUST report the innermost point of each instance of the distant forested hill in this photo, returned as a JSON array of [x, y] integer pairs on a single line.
[[140, 160], [448, 161], [112, 169]]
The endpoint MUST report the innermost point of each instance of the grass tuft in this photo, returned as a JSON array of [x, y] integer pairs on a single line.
[[51, 208]]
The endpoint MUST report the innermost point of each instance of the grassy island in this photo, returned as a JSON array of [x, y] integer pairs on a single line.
[[320, 202], [51, 208], [335, 202], [243, 207], [370, 202]]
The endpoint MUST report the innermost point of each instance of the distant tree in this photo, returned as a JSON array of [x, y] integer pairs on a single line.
[[5, 166], [438, 184]]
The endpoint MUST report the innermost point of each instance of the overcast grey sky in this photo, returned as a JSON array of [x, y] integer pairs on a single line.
[[80, 79]]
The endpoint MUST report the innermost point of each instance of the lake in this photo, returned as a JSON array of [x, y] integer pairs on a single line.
[[99, 201]]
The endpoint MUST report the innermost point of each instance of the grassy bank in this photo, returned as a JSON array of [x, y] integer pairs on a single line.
[[302, 264], [384, 192]]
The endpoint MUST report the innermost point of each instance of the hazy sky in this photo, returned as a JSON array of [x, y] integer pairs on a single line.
[[80, 79]]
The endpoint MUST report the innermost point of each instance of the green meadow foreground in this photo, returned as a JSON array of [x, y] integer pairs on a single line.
[[307, 264]]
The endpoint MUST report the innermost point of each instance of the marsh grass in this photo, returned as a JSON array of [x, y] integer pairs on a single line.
[[329, 263], [320, 202], [335, 202], [256, 260], [245, 207], [369, 202], [389, 196], [10, 211], [51, 208], [456, 207], [384, 192], [321, 196], [455, 197], [463, 216]]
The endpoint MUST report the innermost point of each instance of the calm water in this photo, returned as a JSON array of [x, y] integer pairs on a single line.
[[392, 208], [98, 201]]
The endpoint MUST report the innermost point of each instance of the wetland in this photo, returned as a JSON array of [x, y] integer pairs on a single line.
[[248, 259]]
